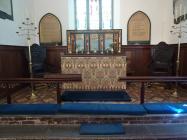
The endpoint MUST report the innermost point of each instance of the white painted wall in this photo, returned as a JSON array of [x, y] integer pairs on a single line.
[[57, 7], [168, 23], [159, 11], [8, 28]]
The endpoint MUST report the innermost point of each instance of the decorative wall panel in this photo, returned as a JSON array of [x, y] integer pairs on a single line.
[[94, 41]]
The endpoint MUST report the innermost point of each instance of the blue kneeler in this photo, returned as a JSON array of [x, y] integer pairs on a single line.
[[102, 109], [165, 108], [95, 96], [102, 129], [29, 109]]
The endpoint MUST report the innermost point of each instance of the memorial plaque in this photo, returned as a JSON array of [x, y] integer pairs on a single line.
[[50, 30], [139, 29]]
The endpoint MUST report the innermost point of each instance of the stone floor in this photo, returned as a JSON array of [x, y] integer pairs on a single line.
[[156, 93]]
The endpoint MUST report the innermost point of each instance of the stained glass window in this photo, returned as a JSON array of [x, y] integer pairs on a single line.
[[93, 14], [106, 14], [81, 17]]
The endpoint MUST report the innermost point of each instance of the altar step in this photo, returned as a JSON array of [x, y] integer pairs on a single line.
[[67, 127], [78, 119], [71, 132]]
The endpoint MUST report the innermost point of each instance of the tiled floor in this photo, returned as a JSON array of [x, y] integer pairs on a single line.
[[155, 93]]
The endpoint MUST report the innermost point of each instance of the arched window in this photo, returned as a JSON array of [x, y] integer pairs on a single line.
[[139, 29], [50, 31], [93, 14]]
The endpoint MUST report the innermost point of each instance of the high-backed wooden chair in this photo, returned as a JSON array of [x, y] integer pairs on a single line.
[[162, 60], [38, 55]]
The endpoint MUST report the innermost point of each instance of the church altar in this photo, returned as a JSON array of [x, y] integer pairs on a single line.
[[99, 72]]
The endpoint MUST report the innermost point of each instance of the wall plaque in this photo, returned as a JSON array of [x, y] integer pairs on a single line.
[[139, 29], [50, 30]]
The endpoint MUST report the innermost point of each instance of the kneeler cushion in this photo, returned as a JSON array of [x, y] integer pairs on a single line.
[[102, 129], [102, 109], [166, 108], [95, 96], [27, 109]]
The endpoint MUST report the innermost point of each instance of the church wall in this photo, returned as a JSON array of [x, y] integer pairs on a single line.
[[8, 28], [160, 13], [58, 7]]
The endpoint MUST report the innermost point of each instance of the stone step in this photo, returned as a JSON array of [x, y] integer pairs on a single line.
[[71, 132], [77, 119]]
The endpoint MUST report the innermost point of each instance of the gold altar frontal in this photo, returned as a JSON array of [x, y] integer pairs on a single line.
[[98, 72]]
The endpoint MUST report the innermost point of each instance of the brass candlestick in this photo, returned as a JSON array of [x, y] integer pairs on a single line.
[[178, 30], [28, 30]]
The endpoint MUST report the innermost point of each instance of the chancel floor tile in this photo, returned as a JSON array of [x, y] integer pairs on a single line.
[[155, 93]]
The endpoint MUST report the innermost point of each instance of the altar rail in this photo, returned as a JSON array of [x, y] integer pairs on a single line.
[[145, 79], [10, 83], [140, 79]]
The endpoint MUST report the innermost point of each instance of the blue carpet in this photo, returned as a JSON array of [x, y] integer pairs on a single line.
[[102, 129], [95, 96]]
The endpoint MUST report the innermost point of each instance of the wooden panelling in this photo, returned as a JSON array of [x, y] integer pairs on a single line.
[[54, 56], [183, 60], [138, 59], [13, 62]]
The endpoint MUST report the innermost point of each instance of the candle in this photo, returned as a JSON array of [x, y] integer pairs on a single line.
[[180, 10], [184, 13], [176, 13]]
